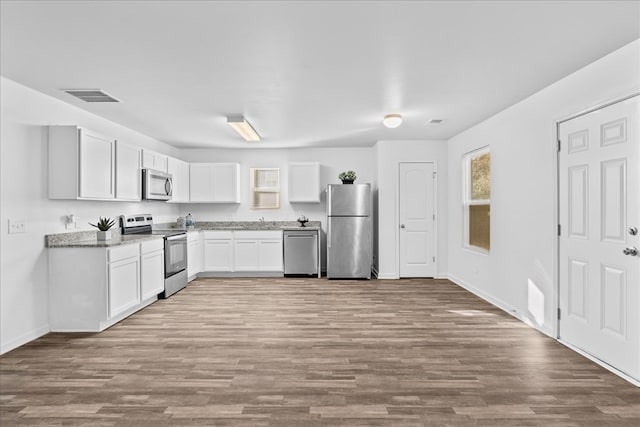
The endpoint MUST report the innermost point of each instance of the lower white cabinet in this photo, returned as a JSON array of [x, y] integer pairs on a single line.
[[242, 251], [93, 288], [218, 251], [194, 253], [124, 285], [270, 254], [258, 251], [245, 252], [151, 268]]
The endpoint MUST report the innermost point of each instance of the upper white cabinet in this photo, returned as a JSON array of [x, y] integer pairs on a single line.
[[81, 164], [180, 173], [128, 175], [153, 160], [304, 182], [214, 182]]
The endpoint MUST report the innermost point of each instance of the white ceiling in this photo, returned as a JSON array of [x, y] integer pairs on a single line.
[[305, 73]]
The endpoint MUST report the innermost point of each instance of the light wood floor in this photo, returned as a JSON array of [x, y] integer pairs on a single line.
[[312, 352]]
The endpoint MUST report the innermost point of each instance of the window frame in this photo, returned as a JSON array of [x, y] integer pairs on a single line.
[[254, 188], [467, 201]]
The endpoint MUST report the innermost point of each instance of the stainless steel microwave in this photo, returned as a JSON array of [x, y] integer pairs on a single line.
[[156, 185]]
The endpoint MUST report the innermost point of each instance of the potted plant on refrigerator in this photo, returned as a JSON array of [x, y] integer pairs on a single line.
[[104, 228], [347, 177]]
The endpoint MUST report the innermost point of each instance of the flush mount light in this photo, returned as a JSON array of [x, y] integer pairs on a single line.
[[242, 126], [392, 120]]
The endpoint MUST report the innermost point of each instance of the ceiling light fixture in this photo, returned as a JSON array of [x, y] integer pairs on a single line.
[[242, 126], [392, 120]]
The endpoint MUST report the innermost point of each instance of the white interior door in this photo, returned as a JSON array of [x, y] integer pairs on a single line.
[[599, 211], [417, 237]]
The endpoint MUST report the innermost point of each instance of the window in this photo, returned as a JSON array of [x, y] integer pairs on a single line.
[[477, 199], [265, 188]]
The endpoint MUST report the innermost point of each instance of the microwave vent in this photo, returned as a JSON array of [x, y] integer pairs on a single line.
[[91, 95]]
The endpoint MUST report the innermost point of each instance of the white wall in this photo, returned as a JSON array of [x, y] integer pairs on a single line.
[[24, 116], [332, 162], [518, 274], [389, 156]]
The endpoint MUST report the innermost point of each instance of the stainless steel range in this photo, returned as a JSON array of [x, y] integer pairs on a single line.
[[175, 250]]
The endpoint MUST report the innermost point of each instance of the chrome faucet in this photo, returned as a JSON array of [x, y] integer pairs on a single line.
[[262, 220]]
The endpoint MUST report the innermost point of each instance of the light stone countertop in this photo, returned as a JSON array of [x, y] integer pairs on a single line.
[[87, 239], [242, 225]]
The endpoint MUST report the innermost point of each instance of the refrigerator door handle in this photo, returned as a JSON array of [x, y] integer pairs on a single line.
[[328, 233]]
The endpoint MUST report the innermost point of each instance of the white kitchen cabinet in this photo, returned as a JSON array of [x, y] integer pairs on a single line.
[[154, 160], [270, 255], [93, 288], [304, 182], [245, 253], [257, 250], [128, 173], [81, 164], [214, 182], [195, 253], [200, 182], [124, 279], [151, 268], [179, 170], [218, 251]]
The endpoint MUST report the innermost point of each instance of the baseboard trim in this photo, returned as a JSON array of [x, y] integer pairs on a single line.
[[23, 339], [241, 274], [606, 366], [498, 303], [383, 276]]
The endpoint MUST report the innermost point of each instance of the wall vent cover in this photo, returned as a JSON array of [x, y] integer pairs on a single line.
[[434, 121], [91, 95]]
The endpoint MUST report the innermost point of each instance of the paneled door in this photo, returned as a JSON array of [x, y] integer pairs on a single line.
[[599, 218], [417, 220]]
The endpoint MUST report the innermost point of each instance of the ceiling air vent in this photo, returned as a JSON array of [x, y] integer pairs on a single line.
[[91, 95], [434, 121]]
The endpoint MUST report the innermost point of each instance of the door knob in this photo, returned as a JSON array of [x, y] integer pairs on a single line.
[[630, 251], [633, 231], [401, 225]]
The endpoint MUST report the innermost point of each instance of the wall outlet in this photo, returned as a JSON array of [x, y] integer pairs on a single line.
[[17, 226]]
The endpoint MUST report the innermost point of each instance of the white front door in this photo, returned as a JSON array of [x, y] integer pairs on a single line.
[[599, 211], [417, 237]]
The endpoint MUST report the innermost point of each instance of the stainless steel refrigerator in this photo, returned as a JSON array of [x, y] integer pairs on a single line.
[[349, 240]]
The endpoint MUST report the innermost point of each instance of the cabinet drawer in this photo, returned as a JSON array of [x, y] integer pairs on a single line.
[[122, 252], [218, 235], [151, 246], [259, 235]]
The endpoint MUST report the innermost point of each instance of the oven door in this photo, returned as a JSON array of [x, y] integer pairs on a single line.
[[175, 254]]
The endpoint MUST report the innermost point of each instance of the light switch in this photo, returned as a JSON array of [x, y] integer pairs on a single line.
[[17, 226]]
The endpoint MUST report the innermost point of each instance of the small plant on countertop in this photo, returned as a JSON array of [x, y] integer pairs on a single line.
[[104, 224], [347, 176]]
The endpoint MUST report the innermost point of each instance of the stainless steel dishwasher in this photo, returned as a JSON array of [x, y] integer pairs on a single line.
[[301, 252]]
